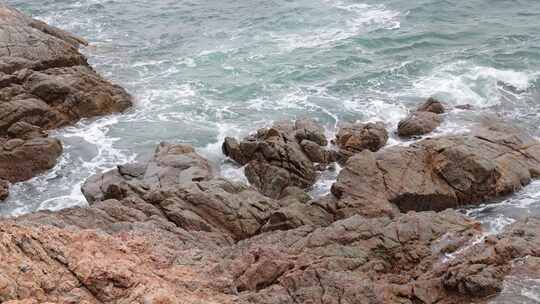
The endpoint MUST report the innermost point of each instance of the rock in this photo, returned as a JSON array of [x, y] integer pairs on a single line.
[[356, 260], [4, 189], [45, 83], [25, 130], [419, 123], [432, 105], [445, 172], [21, 160], [276, 157], [216, 241], [317, 153], [465, 107], [354, 138], [307, 129], [171, 165]]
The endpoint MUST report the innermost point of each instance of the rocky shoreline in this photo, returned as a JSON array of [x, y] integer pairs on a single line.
[[171, 230], [45, 83]]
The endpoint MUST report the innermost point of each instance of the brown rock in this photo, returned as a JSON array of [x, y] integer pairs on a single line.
[[25, 130], [432, 105], [206, 241], [25, 159], [419, 123], [171, 165], [444, 172], [45, 83], [354, 138], [4, 189], [276, 159]]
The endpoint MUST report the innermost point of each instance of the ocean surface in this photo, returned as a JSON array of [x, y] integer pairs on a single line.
[[203, 70]]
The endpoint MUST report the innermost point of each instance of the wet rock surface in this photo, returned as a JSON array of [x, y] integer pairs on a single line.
[[45, 83], [281, 156], [423, 121], [419, 123]]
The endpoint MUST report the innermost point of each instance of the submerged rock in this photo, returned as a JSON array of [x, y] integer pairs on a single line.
[[45, 83], [281, 156]]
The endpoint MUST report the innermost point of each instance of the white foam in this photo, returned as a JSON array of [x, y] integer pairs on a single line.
[[378, 110], [464, 83], [351, 20]]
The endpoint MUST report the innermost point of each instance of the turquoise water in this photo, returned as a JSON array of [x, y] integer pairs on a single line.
[[203, 70]]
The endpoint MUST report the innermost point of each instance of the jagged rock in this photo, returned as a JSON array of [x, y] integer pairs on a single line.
[[445, 172], [131, 251], [217, 241], [45, 83], [432, 105], [281, 156], [419, 123], [354, 138], [356, 260], [171, 165], [4, 189]]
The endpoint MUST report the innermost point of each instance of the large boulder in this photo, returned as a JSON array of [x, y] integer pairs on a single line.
[[43, 70], [445, 172], [45, 83], [281, 156]]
